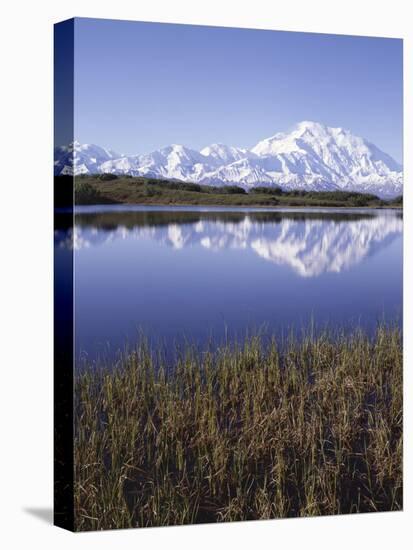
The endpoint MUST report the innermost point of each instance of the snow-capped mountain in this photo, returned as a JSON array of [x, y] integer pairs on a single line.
[[223, 153], [315, 155], [80, 159], [310, 157]]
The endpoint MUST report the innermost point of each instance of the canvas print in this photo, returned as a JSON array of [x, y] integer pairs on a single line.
[[228, 274]]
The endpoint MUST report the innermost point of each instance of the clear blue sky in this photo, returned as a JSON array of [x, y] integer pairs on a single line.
[[141, 86]]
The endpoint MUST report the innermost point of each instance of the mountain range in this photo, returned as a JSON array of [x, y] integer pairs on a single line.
[[311, 157]]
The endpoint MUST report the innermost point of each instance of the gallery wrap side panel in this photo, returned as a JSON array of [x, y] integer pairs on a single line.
[[63, 280]]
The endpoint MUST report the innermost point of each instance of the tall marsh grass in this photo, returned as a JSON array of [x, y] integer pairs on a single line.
[[248, 432]]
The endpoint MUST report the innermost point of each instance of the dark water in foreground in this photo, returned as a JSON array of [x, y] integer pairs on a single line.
[[198, 272]]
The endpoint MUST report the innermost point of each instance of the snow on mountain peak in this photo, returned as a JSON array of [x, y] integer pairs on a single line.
[[311, 156], [311, 125], [77, 158], [224, 153]]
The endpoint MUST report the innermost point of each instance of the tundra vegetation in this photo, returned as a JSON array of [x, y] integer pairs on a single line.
[[109, 188]]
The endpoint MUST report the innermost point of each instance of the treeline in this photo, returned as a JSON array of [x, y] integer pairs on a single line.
[[178, 185], [234, 189], [340, 196]]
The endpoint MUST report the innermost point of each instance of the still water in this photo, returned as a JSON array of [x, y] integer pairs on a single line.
[[200, 274]]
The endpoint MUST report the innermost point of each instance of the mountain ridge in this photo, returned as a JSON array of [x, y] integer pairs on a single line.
[[311, 157]]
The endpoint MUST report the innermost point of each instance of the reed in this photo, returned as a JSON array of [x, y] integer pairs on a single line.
[[245, 432]]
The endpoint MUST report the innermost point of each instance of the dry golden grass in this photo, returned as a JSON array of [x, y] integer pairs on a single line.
[[243, 433]]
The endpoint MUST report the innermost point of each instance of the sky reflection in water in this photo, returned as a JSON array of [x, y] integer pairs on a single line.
[[199, 274]]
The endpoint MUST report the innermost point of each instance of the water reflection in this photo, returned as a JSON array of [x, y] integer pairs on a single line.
[[309, 243], [196, 275]]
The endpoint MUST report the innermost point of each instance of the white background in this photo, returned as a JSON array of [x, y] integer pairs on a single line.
[[26, 271]]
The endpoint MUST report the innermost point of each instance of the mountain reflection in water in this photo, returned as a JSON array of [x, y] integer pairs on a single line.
[[309, 243], [187, 274]]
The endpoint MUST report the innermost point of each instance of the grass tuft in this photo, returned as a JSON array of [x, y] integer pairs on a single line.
[[247, 432]]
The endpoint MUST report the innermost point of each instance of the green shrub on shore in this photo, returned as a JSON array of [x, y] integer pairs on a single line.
[[86, 193], [107, 177], [248, 432], [266, 190]]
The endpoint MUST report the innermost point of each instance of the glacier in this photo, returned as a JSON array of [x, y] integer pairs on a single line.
[[312, 157]]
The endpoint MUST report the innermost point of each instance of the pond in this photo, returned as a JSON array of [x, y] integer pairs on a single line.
[[208, 274]]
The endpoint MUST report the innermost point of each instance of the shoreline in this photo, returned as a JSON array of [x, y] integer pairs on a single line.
[[245, 207], [111, 189]]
